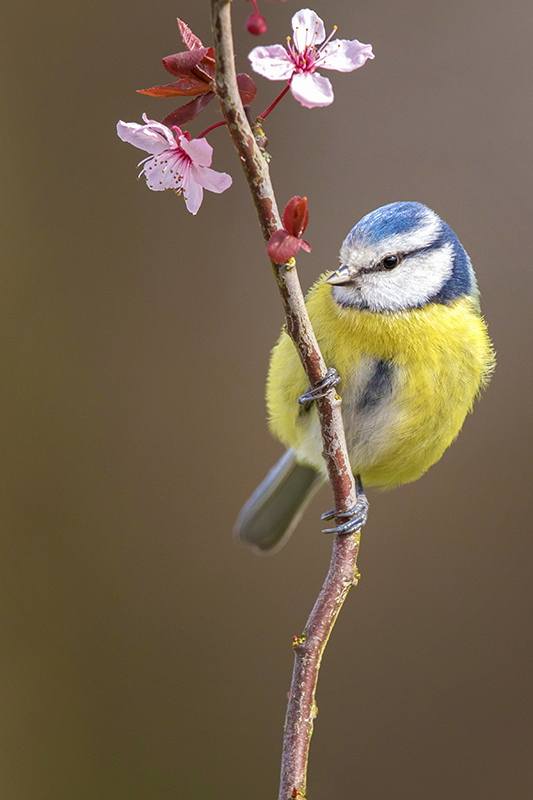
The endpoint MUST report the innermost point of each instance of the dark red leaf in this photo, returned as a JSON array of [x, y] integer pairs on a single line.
[[210, 56], [188, 38], [207, 65], [247, 88], [296, 216], [182, 63], [189, 111], [282, 246], [186, 87]]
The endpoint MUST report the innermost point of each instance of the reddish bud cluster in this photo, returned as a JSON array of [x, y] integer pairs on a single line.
[[195, 73], [285, 242]]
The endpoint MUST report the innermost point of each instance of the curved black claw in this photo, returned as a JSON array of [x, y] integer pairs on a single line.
[[356, 516], [322, 388]]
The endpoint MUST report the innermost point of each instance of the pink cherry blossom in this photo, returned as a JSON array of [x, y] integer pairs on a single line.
[[309, 50], [175, 162]]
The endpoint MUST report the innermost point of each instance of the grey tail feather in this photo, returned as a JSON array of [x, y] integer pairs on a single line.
[[271, 514]]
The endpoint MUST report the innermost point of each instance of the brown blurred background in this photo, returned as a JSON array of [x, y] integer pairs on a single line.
[[143, 655]]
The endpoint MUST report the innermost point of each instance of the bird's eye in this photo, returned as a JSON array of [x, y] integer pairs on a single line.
[[389, 262]]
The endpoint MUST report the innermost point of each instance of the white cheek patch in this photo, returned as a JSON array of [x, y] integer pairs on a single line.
[[415, 281], [412, 283]]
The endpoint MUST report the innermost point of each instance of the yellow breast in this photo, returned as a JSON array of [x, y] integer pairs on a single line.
[[408, 380]]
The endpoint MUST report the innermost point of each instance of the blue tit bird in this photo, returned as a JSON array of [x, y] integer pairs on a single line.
[[400, 321]]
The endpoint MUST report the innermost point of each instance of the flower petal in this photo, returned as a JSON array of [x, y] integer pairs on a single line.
[[199, 151], [272, 62], [210, 179], [194, 194], [153, 137], [307, 29], [312, 90], [345, 55]]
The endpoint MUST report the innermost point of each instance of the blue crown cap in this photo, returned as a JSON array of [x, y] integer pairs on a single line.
[[388, 221]]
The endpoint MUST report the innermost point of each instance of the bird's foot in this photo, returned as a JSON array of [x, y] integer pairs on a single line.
[[355, 517], [331, 380]]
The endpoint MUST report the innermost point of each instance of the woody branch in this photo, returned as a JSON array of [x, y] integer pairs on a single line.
[[342, 574]]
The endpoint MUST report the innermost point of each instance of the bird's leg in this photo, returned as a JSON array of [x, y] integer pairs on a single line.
[[356, 516], [322, 388]]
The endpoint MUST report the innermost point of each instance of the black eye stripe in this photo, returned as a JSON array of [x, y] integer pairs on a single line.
[[381, 266], [386, 264]]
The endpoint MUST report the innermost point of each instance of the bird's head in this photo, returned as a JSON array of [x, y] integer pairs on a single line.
[[401, 256]]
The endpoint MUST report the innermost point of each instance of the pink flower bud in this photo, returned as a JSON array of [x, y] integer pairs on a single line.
[[256, 24]]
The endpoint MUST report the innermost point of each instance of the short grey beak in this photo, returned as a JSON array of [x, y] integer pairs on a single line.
[[340, 277]]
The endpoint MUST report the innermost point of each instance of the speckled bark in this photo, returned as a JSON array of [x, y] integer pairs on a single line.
[[342, 572]]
